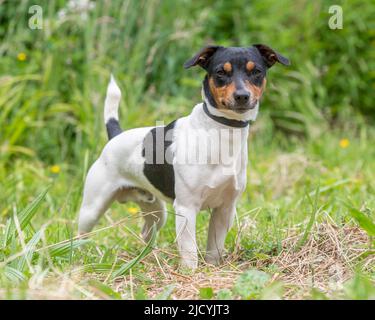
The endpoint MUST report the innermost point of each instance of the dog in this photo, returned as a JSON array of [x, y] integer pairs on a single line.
[[148, 165]]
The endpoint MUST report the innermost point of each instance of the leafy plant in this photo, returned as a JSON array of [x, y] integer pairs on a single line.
[[224, 294], [364, 221], [24, 217], [206, 293], [250, 284]]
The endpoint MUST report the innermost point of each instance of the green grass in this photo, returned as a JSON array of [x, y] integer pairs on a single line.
[[291, 191], [305, 225]]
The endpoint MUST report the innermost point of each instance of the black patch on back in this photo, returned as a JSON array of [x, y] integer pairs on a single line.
[[158, 167], [113, 128]]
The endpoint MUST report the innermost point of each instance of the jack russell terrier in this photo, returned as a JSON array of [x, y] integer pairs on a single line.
[[196, 162]]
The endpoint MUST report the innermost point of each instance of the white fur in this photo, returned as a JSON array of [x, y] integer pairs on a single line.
[[118, 175], [112, 100]]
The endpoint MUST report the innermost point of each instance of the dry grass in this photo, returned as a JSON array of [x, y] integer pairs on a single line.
[[324, 262]]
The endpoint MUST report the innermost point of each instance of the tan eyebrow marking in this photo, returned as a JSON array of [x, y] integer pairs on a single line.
[[227, 67], [250, 65]]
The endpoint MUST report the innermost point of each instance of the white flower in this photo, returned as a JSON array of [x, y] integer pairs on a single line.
[[76, 7], [61, 14]]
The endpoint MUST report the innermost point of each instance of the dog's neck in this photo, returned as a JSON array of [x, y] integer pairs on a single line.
[[225, 113]]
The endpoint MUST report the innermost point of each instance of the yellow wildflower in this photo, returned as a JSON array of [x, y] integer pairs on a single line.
[[55, 169], [344, 143], [21, 56], [133, 210]]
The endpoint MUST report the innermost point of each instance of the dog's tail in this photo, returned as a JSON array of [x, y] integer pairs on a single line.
[[112, 101]]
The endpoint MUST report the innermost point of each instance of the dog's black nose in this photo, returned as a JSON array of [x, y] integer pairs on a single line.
[[241, 96]]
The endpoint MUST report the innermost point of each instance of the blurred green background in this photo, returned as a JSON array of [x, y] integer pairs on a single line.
[[311, 150]]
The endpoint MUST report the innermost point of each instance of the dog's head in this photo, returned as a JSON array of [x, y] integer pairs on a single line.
[[236, 77]]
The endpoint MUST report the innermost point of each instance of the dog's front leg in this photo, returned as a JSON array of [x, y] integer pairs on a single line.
[[220, 223], [185, 234]]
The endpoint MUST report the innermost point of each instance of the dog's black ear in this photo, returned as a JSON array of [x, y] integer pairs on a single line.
[[270, 56], [202, 57]]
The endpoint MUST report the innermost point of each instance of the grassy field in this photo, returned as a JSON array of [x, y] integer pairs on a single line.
[[295, 231], [305, 227]]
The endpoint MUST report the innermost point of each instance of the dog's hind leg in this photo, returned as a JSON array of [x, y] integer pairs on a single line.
[[153, 212], [99, 192]]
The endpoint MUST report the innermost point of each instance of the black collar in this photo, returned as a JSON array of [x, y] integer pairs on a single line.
[[226, 121]]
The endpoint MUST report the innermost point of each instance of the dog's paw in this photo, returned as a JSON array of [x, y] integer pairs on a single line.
[[188, 264], [214, 259]]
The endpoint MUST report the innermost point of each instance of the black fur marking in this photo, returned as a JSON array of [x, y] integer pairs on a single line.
[[158, 167], [238, 58], [228, 122], [113, 128]]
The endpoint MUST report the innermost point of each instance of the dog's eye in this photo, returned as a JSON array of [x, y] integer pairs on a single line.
[[221, 73], [257, 73]]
